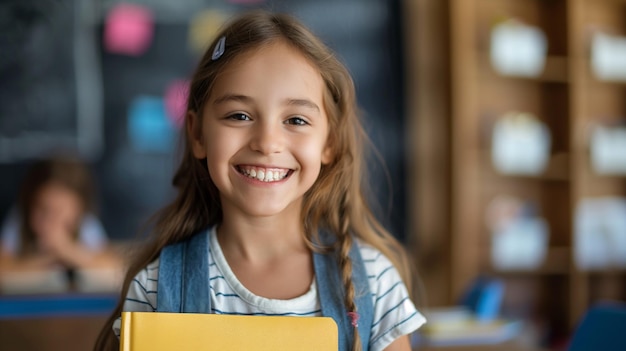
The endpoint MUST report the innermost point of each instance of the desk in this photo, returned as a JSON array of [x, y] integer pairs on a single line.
[[507, 346], [53, 322]]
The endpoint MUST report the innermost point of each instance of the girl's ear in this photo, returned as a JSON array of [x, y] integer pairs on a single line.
[[328, 154], [194, 133]]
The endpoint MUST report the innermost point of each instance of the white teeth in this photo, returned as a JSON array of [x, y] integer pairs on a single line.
[[264, 175]]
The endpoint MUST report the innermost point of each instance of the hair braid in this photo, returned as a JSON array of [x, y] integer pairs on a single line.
[[345, 263]]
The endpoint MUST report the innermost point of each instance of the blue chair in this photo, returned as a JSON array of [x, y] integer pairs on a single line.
[[484, 298], [602, 328]]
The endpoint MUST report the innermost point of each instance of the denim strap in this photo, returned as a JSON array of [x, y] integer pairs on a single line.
[[183, 284], [330, 291]]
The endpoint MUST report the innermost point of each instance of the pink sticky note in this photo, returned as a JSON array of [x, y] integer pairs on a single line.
[[128, 30], [175, 98]]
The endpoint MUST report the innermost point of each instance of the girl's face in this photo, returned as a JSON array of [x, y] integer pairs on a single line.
[[56, 211], [264, 132]]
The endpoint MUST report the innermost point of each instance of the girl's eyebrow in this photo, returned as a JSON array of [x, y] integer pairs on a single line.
[[243, 98], [231, 97], [304, 103]]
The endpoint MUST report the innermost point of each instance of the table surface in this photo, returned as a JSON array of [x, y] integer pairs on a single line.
[[56, 305], [507, 346], [68, 321]]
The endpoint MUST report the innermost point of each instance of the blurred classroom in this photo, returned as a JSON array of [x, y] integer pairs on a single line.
[[500, 127]]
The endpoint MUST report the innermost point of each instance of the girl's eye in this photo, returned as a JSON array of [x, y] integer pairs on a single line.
[[239, 117], [298, 121]]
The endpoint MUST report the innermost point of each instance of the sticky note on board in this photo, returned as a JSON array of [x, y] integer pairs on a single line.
[[128, 30], [176, 101], [149, 129], [203, 28]]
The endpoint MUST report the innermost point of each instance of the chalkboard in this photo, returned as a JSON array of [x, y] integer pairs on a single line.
[[134, 183], [50, 95]]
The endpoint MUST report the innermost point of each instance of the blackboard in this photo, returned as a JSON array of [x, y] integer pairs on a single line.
[[50, 93], [366, 35]]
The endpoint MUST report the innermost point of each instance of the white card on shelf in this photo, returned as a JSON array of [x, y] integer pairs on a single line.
[[520, 144], [518, 49], [608, 150]]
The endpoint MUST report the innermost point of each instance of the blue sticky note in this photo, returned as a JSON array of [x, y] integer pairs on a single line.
[[149, 129]]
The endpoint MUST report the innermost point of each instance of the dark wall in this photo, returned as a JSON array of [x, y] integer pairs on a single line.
[[133, 184]]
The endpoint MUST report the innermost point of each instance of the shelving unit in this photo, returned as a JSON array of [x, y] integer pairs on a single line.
[[595, 101], [568, 98]]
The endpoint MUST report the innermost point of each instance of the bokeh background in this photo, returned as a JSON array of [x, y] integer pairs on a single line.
[[499, 125]]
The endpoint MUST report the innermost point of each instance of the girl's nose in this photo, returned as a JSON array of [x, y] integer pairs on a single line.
[[267, 139]]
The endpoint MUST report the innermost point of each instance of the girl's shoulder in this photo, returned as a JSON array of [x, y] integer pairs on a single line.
[[372, 256], [149, 275], [381, 272], [394, 312]]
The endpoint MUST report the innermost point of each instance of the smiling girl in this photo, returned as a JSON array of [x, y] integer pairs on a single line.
[[270, 203]]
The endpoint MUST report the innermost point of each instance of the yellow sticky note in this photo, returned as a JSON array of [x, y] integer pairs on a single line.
[[203, 28]]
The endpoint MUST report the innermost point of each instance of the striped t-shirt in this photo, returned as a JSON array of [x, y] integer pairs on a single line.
[[394, 313]]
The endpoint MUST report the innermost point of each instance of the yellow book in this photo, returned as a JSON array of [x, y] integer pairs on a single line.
[[156, 331]]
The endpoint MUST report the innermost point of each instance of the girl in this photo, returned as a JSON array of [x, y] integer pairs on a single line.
[[53, 224], [270, 182]]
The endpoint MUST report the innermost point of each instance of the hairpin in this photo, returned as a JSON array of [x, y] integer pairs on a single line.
[[218, 51], [354, 318]]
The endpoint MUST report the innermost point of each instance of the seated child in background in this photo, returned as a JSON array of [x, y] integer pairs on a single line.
[[53, 227]]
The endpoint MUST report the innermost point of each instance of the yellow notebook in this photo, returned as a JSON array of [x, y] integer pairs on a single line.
[[156, 331]]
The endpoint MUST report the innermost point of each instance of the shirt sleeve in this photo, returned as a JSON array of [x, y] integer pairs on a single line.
[[9, 234], [92, 233], [395, 314], [142, 293]]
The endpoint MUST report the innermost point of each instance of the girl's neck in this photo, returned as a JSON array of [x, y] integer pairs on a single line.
[[261, 238], [268, 255]]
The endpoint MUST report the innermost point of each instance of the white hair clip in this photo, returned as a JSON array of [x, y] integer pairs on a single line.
[[218, 51]]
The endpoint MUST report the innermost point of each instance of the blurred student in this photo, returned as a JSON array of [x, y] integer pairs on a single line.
[[53, 226]]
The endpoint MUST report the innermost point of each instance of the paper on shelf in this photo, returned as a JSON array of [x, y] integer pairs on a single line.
[[469, 332], [520, 144], [608, 150], [608, 57], [600, 233], [518, 49]]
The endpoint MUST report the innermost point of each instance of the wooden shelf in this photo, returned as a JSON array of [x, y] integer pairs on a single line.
[[557, 169], [609, 271], [557, 262], [555, 70]]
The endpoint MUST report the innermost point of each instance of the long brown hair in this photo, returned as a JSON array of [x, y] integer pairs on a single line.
[[66, 171], [335, 202]]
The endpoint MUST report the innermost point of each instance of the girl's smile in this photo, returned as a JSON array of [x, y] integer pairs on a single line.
[[264, 174]]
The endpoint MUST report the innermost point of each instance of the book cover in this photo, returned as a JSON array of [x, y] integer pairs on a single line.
[[155, 331]]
